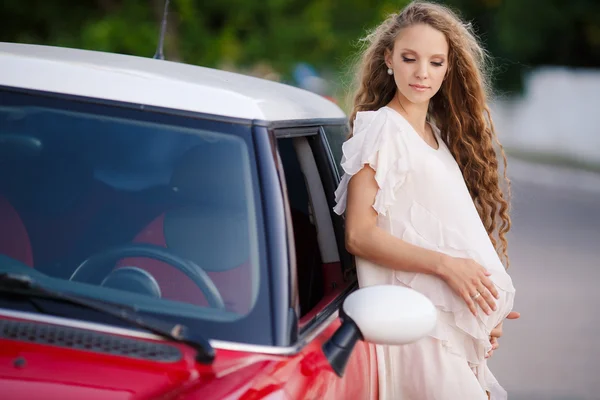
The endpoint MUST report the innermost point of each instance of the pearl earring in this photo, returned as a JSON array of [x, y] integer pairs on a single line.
[[390, 71]]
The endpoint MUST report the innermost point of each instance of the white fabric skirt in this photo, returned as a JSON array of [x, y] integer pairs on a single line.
[[449, 364]]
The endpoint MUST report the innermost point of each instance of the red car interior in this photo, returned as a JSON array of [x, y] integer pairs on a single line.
[[59, 214], [14, 240], [209, 226], [59, 202]]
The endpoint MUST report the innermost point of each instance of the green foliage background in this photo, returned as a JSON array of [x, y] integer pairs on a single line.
[[241, 34]]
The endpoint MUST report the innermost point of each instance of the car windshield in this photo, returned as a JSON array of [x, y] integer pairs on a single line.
[[133, 206]]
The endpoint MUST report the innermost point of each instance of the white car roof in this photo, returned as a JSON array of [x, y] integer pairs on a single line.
[[158, 83]]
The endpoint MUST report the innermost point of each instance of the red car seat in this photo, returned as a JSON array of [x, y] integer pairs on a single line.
[[14, 240], [209, 227]]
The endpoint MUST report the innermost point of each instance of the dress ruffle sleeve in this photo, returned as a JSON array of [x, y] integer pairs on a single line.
[[375, 143]]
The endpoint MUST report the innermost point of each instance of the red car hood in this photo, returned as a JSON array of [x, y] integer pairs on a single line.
[[30, 370]]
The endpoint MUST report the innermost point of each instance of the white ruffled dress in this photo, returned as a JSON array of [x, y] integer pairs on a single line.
[[423, 200]]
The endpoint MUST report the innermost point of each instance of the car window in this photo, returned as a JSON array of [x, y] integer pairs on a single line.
[[317, 258], [309, 264], [336, 136], [76, 184]]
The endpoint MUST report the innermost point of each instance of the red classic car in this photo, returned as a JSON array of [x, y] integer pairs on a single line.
[[166, 232]]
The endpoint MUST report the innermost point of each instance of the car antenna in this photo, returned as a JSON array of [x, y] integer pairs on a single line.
[[159, 50]]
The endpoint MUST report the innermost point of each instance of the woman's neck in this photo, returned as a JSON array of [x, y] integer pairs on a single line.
[[415, 114]]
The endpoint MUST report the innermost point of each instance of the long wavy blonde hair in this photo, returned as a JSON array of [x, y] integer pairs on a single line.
[[459, 108]]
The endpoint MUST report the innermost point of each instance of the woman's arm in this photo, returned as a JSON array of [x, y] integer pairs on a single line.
[[366, 240]]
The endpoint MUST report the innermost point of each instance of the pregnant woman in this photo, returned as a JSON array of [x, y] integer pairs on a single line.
[[423, 202]]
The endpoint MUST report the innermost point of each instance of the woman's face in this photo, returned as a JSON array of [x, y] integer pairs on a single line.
[[419, 61]]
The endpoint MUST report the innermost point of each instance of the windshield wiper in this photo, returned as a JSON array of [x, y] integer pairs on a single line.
[[24, 285]]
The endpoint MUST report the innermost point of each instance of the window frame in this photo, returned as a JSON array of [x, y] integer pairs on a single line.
[[336, 163], [323, 158], [329, 305]]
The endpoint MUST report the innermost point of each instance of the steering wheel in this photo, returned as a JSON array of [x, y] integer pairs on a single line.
[[98, 266]]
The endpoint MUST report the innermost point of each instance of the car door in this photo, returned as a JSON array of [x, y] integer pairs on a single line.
[[324, 272]]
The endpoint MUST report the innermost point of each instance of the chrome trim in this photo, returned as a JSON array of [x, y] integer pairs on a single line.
[[295, 123], [217, 344], [282, 351], [292, 132]]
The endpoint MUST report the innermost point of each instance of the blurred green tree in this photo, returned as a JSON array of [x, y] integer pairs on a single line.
[[520, 34], [523, 34]]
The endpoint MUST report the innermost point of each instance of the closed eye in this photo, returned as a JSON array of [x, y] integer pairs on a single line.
[[406, 59], [437, 64]]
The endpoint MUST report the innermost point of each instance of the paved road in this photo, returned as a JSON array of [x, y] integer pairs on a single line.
[[553, 351]]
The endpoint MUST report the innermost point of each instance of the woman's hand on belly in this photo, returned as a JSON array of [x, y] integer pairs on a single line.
[[497, 333], [471, 282]]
